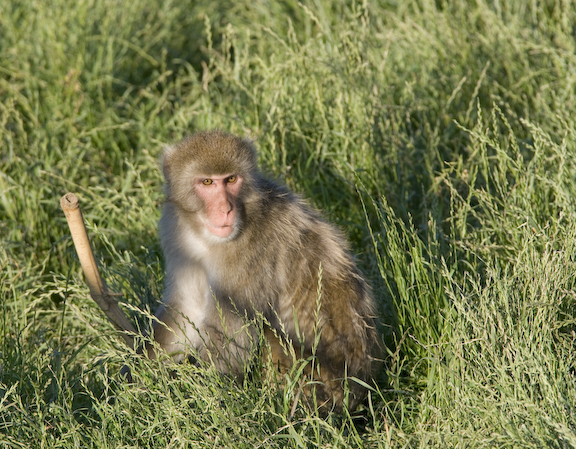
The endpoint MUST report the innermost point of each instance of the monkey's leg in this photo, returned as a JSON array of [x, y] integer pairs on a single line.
[[318, 381], [229, 340]]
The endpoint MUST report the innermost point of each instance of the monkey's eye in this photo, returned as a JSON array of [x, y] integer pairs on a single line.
[[207, 182], [232, 179]]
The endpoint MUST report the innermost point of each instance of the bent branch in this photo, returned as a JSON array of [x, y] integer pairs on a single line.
[[98, 289]]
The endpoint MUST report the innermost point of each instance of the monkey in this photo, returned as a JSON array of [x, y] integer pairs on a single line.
[[238, 245]]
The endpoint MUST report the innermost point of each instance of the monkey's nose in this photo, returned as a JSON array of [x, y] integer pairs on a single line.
[[226, 207]]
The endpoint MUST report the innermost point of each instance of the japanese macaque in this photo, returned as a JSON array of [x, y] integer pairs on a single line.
[[237, 247]]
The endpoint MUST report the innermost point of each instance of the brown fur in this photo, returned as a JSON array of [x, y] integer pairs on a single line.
[[270, 267]]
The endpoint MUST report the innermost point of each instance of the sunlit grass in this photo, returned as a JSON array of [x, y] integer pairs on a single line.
[[439, 136]]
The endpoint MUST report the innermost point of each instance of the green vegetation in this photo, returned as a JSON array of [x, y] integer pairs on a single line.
[[440, 136]]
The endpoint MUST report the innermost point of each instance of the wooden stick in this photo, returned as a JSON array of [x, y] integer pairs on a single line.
[[98, 289]]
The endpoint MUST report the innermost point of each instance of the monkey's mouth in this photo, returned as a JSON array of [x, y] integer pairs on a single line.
[[221, 231]]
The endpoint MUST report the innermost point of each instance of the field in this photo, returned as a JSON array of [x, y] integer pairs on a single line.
[[439, 136]]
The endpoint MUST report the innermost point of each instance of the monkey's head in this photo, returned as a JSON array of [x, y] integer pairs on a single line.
[[208, 175]]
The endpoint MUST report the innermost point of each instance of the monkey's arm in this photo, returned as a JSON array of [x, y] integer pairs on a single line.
[[98, 290]]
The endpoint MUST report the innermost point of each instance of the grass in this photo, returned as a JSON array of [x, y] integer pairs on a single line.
[[440, 136]]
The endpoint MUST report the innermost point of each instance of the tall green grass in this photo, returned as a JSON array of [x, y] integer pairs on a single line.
[[439, 136]]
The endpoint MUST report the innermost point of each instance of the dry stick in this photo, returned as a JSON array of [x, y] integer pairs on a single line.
[[98, 289]]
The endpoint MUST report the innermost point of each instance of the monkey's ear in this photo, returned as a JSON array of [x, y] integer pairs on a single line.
[[166, 160]]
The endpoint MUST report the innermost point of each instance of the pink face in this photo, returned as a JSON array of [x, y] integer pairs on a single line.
[[219, 195]]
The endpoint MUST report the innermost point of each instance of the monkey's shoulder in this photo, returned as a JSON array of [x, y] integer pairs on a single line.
[[289, 223], [278, 207], [272, 195]]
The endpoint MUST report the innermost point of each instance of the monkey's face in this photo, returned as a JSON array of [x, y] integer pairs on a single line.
[[208, 178], [220, 198]]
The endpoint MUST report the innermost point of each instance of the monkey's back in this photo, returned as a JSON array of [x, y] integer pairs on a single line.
[[303, 273]]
